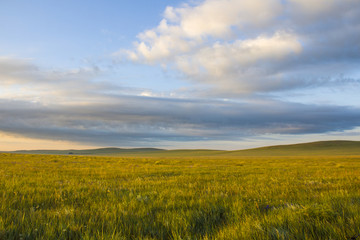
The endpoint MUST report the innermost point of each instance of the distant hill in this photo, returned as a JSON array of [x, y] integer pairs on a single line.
[[98, 151], [313, 148], [301, 149]]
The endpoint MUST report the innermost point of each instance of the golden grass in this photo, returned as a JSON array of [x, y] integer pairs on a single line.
[[179, 197]]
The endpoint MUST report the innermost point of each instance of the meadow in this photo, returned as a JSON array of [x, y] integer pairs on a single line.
[[181, 195]]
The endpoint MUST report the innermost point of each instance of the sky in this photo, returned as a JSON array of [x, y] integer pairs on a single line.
[[219, 74]]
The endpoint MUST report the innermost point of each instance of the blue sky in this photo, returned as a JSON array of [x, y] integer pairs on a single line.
[[224, 74]]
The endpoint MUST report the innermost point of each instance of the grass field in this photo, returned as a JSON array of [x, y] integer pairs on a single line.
[[293, 192]]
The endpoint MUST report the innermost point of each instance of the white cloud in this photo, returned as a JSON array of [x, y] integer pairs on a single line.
[[186, 28], [252, 46], [233, 62], [21, 79], [12, 70], [215, 18]]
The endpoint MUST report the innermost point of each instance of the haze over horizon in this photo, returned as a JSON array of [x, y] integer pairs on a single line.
[[221, 74]]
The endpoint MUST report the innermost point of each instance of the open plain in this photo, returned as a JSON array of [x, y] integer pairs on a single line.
[[301, 193]]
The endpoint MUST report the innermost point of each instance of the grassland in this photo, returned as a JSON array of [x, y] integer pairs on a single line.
[[300, 192]]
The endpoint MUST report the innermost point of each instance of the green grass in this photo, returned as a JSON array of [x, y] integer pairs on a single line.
[[210, 195]]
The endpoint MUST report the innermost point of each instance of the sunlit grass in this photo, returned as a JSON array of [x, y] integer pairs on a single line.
[[82, 197]]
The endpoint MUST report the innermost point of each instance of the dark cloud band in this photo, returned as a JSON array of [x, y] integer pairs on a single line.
[[136, 120]]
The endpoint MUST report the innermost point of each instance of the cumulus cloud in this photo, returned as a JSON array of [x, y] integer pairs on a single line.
[[253, 57], [216, 18], [254, 46], [187, 27]]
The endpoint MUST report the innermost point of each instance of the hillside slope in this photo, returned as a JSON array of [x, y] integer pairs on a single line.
[[312, 148]]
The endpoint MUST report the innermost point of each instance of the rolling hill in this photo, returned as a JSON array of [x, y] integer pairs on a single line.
[[301, 149], [98, 151]]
